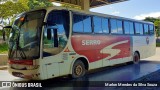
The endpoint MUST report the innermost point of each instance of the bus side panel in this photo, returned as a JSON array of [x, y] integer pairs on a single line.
[[145, 45], [99, 47]]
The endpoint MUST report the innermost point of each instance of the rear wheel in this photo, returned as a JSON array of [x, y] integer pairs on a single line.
[[78, 69], [136, 58]]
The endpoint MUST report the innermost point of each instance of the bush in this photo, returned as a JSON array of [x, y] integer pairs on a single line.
[[3, 48], [157, 44], [0, 32]]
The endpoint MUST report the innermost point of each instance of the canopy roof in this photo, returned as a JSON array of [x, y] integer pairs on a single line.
[[95, 3], [92, 3]]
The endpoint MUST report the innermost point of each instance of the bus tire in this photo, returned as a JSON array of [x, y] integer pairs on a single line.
[[78, 69], [136, 58]]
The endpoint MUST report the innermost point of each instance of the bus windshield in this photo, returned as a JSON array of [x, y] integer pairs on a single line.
[[24, 40]]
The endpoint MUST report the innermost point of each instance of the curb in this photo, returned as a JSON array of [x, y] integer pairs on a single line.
[[3, 67], [3, 59]]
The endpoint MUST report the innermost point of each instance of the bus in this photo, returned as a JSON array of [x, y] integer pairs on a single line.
[[57, 41]]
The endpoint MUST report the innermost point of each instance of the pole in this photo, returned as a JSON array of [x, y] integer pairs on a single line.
[[85, 5]]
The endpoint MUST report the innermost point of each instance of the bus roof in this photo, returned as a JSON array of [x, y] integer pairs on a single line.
[[93, 13]]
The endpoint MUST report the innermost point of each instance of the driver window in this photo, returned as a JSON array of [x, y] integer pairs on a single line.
[[56, 32]]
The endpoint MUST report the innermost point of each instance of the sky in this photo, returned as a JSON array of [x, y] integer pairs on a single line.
[[135, 9]]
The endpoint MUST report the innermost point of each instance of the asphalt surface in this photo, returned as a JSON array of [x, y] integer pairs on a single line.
[[147, 70], [120, 73]]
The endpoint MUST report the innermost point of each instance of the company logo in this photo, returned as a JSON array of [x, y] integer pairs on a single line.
[[147, 40], [113, 52], [91, 42]]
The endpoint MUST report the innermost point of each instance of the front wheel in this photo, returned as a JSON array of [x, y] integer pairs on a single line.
[[136, 58], [78, 69]]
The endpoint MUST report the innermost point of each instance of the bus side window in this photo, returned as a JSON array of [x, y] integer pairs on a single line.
[[126, 27], [137, 29], [131, 27], [146, 29], [119, 27], [77, 23], [141, 29], [113, 26], [97, 21], [105, 26], [151, 29], [87, 24]]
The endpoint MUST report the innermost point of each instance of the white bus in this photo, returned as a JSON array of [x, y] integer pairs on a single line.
[[57, 41]]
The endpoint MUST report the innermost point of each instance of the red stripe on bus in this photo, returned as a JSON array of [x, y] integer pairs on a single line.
[[93, 47], [22, 62]]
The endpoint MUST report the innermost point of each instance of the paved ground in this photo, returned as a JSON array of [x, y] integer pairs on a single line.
[[156, 57], [148, 69], [3, 59]]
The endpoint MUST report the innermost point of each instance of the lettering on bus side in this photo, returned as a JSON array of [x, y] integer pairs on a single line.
[[91, 42]]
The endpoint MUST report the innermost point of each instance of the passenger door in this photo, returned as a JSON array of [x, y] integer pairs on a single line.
[[55, 38]]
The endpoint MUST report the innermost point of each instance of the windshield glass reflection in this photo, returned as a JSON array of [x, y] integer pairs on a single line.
[[25, 35]]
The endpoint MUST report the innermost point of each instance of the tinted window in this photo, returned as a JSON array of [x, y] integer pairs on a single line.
[[77, 23], [137, 29], [151, 29], [97, 24], [113, 26], [145, 29], [141, 28], [56, 33], [131, 27], [119, 27], [87, 23], [105, 25], [126, 27]]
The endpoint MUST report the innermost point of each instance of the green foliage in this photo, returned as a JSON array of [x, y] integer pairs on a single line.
[[157, 26], [157, 44], [9, 8], [71, 6], [34, 4], [3, 48], [156, 22], [21, 6], [5, 9], [150, 19], [1, 32]]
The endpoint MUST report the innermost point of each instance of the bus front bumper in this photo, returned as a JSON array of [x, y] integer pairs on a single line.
[[28, 74]]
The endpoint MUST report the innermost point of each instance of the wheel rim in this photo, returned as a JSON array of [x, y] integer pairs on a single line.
[[78, 70]]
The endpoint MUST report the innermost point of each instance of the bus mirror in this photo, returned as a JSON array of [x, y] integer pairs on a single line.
[[4, 35], [44, 23], [55, 38], [7, 27], [4, 32], [49, 34]]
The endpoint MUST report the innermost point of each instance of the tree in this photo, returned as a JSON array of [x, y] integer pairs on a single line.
[[157, 26], [10, 9], [34, 4], [156, 22], [71, 6], [150, 19]]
